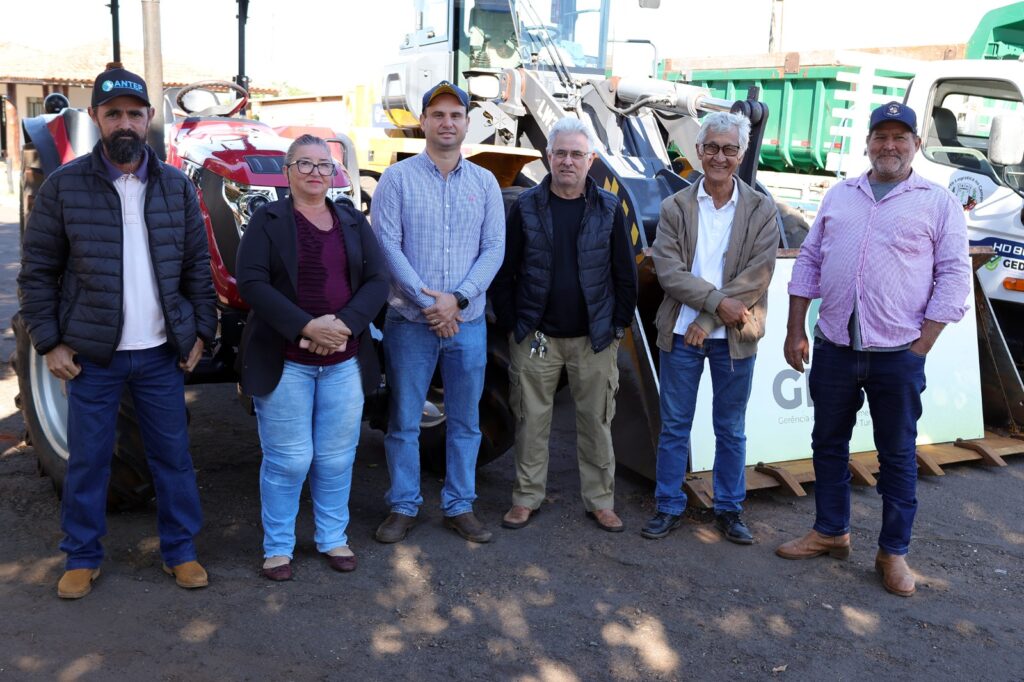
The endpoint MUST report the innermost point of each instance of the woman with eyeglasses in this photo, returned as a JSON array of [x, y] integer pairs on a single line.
[[311, 271]]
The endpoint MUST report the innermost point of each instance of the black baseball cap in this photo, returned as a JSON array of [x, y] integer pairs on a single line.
[[445, 88], [117, 83], [894, 111]]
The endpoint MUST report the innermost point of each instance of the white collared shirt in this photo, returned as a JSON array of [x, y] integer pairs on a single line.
[[143, 319], [714, 227]]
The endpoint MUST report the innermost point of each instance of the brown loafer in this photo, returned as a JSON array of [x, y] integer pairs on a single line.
[[606, 520], [815, 544], [77, 582], [394, 528], [469, 527], [517, 517], [277, 573], [896, 575], [343, 564], [189, 575]]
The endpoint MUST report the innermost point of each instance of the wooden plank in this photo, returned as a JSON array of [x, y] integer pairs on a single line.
[[927, 465], [786, 481], [989, 456], [860, 473], [699, 492], [939, 454]]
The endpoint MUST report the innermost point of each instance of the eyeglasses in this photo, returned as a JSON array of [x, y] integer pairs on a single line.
[[712, 149], [576, 154], [306, 167]]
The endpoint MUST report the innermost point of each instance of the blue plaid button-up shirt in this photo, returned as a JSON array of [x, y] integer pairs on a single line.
[[446, 234]]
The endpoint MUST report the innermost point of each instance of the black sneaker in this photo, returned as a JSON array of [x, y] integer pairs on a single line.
[[732, 527], [661, 525]]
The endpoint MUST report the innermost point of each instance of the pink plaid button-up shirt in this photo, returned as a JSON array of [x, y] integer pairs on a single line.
[[902, 259]]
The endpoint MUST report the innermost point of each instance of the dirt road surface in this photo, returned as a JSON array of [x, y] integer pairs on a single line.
[[557, 601]]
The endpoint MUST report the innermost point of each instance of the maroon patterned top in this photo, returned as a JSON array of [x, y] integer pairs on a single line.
[[323, 285]]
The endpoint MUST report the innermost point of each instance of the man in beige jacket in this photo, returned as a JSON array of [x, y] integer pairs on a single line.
[[714, 255]]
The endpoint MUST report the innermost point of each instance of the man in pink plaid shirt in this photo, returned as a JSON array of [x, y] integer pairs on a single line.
[[888, 257]]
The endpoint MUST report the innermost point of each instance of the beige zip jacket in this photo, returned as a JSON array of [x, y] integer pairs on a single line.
[[749, 264]]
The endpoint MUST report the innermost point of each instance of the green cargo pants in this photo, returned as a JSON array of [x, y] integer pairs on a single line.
[[593, 382]]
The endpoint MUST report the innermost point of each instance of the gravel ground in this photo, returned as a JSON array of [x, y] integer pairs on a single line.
[[557, 601]]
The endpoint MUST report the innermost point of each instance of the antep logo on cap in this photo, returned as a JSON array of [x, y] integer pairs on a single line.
[[107, 86]]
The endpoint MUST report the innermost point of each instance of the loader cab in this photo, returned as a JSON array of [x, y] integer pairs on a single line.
[[470, 42]]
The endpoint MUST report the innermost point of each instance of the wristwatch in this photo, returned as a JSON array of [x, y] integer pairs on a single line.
[[461, 300], [620, 332]]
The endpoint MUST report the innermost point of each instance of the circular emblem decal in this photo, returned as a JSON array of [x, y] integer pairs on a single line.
[[107, 86], [894, 110], [968, 190]]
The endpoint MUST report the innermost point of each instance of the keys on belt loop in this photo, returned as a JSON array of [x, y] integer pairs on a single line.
[[539, 345]]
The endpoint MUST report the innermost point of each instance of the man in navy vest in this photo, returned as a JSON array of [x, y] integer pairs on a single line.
[[566, 292]]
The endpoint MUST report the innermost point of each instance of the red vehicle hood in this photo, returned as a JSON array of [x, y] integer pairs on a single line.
[[233, 148]]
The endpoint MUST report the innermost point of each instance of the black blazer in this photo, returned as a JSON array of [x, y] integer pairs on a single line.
[[267, 270]]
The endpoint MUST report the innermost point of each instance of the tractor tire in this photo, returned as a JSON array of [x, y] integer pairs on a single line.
[[497, 424], [44, 407], [509, 196]]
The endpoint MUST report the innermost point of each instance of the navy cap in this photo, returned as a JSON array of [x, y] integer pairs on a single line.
[[445, 88], [117, 83], [894, 111]]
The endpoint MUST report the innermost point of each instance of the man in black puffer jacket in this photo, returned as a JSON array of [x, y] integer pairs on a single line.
[[115, 290], [566, 292]]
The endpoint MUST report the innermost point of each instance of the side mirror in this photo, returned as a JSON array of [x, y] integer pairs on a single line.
[[650, 4], [1006, 140]]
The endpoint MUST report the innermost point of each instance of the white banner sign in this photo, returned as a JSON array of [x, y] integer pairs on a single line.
[[780, 413]]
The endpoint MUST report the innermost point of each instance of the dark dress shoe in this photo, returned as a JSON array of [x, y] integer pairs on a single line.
[[394, 528], [277, 573], [732, 527], [342, 564], [469, 527], [661, 525]]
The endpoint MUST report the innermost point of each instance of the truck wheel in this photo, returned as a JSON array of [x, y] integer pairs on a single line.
[[44, 407], [794, 224]]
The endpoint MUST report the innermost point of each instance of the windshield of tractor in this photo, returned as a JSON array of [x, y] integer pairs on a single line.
[[573, 33]]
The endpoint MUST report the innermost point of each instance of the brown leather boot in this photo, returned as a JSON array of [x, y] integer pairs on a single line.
[[189, 575], [896, 575], [815, 544], [517, 517], [77, 582], [394, 528], [468, 526]]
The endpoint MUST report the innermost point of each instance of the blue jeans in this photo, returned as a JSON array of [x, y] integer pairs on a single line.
[[412, 351], [157, 387], [680, 377], [893, 382], [309, 424]]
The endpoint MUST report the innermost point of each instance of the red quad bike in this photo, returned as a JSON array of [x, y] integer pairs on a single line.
[[236, 167]]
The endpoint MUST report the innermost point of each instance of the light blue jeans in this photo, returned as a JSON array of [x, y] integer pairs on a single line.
[[412, 352], [309, 424]]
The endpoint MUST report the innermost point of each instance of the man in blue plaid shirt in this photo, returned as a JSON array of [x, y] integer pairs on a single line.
[[441, 225]]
